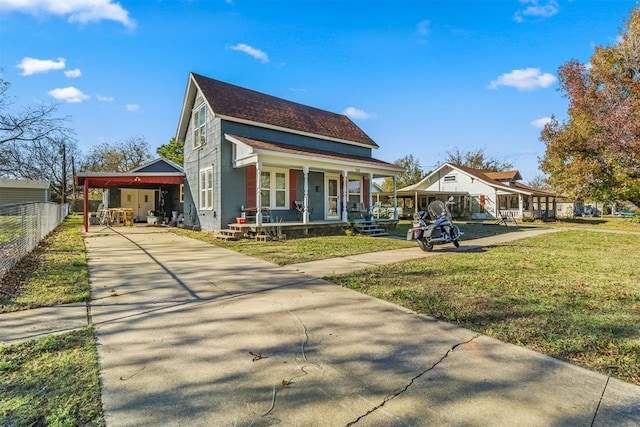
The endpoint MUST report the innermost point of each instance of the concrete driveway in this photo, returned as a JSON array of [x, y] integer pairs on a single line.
[[194, 335]]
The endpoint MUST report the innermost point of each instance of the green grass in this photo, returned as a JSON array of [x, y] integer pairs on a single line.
[[53, 273], [51, 381], [293, 251], [574, 295]]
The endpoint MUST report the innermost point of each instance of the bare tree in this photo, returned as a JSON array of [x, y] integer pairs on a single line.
[[31, 124], [120, 156]]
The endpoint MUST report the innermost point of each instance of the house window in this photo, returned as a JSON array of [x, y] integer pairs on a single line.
[[181, 193], [450, 178], [355, 192], [206, 188], [199, 126], [274, 189]]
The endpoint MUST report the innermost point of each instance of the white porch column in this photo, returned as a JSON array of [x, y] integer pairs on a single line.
[[258, 198], [370, 201], [345, 196], [305, 203], [521, 205], [395, 199]]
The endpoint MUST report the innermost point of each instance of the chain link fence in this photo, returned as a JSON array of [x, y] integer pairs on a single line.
[[23, 226]]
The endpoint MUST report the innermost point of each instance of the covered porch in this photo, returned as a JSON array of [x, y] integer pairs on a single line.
[[303, 186]]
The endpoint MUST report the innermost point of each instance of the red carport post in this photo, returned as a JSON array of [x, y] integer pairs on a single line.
[[85, 204]]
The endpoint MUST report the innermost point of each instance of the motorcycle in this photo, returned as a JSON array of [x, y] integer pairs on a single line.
[[440, 231]]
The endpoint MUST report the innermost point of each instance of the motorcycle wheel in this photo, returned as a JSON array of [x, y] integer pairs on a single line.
[[456, 243], [425, 245]]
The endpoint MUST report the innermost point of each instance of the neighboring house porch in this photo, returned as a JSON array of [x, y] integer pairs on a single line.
[[481, 194]]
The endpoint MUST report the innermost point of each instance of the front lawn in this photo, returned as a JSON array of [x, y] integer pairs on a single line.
[[55, 272], [293, 251], [574, 295], [54, 380]]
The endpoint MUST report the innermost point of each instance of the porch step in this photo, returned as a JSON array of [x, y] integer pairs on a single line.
[[228, 234], [369, 228]]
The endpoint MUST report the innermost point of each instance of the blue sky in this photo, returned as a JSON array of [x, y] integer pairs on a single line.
[[419, 77]]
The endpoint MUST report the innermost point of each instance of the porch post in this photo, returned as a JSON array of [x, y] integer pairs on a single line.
[[370, 201], [258, 198], [395, 199], [521, 205], [345, 196], [85, 204], [305, 202]]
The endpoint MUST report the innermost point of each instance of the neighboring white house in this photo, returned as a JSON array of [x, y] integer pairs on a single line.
[[23, 191], [480, 194]]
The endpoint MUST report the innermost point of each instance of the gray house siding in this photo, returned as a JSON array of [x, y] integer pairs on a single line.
[[294, 139], [20, 195]]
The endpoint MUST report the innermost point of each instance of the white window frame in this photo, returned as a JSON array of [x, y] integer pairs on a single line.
[[272, 187], [354, 194], [205, 189], [450, 179], [199, 125]]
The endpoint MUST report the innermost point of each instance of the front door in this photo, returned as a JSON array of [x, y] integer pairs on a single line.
[[333, 209], [141, 201]]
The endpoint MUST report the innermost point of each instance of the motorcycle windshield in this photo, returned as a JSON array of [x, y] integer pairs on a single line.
[[438, 209]]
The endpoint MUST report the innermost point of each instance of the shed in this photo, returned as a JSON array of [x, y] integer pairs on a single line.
[[23, 191]]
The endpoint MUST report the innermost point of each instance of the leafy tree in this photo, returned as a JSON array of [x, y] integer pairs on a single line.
[[33, 123], [477, 159], [120, 156], [173, 150], [595, 153], [412, 174]]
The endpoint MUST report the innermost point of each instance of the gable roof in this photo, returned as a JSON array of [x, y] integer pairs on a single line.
[[504, 176], [235, 103], [488, 177], [158, 165]]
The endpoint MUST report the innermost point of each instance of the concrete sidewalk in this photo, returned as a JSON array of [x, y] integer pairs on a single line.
[[191, 334]]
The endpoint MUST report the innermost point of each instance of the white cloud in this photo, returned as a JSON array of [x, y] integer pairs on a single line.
[[252, 51], [31, 66], [356, 113], [537, 10], [68, 94], [133, 107], [424, 27], [541, 122], [525, 79], [82, 11], [72, 74], [102, 98]]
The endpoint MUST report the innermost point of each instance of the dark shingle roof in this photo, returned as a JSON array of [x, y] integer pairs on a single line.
[[236, 102]]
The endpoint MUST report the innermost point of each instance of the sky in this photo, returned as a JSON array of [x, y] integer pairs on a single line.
[[421, 78]]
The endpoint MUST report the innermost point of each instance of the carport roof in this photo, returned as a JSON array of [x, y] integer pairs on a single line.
[[106, 180]]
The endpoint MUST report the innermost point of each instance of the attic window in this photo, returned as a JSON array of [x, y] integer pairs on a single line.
[[199, 126], [450, 178]]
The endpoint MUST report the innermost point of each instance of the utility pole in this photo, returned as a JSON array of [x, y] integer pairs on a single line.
[[64, 172]]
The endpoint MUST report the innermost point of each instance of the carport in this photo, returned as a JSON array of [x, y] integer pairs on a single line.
[[122, 179]]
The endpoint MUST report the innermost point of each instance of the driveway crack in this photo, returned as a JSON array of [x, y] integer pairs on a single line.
[[604, 390], [410, 383]]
